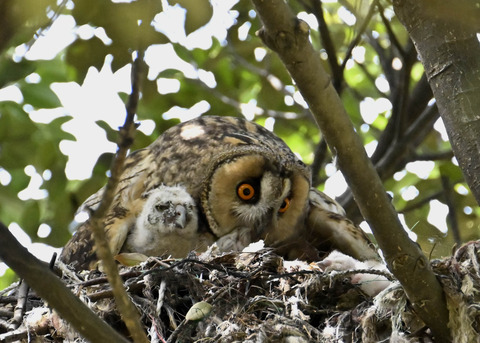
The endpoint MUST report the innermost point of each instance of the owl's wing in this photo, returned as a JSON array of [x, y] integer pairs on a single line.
[[80, 250], [327, 228]]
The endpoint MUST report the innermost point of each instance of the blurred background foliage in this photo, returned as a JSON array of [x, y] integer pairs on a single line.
[[373, 65]]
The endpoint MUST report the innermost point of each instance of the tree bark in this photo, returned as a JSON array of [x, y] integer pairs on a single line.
[[445, 36], [289, 37]]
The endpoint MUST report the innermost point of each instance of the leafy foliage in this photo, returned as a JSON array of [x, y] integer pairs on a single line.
[[373, 65]]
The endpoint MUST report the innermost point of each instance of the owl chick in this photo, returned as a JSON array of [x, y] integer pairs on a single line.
[[167, 224]]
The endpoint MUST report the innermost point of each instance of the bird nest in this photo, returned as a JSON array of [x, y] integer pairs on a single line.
[[257, 297]]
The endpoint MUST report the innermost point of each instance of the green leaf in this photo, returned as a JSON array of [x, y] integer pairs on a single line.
[[30, 218], [11, 71], [198, 311], [39, 96], [199, 13], [7, 279], [112, 135], [83, 54], [447, 168]]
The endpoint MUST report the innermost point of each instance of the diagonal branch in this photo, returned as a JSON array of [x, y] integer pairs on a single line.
[[49, 287], [289, 37], [129, 313]]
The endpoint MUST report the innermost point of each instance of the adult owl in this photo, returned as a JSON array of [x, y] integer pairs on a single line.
[[244, 180]]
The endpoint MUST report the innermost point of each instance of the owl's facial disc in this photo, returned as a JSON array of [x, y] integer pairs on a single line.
[[267, 198], [247, 192]]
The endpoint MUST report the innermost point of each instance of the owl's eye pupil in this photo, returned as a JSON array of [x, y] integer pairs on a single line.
[[246, 191], [285, 205]]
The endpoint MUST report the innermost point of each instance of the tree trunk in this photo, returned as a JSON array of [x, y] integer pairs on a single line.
[[445, 35], [289, 37]]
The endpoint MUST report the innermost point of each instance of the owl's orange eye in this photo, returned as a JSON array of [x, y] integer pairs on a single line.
[[246, 191], [285, 205]]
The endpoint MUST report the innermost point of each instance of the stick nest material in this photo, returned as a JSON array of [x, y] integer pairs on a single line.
[[254, 297]]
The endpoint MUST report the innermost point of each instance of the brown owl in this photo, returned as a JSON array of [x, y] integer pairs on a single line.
[[245, 182]]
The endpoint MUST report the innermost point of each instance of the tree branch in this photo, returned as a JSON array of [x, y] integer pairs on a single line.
[[327, 42], [289, 37], [49, 287], [129, 313], [320, 155], [361, 30], [452, 213]]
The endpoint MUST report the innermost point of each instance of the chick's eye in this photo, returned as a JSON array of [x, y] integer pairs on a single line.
[[161, 207], [285, 205], [246, 191]]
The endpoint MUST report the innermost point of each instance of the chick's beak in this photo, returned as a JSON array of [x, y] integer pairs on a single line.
[[177, 215]]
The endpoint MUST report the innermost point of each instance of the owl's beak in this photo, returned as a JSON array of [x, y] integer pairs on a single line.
[[177, 215]]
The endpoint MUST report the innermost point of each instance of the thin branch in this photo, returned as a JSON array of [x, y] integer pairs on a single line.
[[129, 313], [289, 37], [372, 80], [438, 156], [420, 203], [14, 336], [391, 35], [300, 113], [384, 57], [421, 119], [20, 307], [360, 32], [452, 213], [396, 156], [50, 288], [390, 161], [318, 161], [420, 96], [273, 80], [328, 45]]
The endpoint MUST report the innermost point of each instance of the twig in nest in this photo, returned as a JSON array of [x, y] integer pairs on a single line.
[[180, 328], [383, 273], [6, 313], [103, 279], [211, 266], [161, 297], [20, 307], [13, 336], [4, 324]]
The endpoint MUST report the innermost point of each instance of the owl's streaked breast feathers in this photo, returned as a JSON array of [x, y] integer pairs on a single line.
[[239, 175]]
